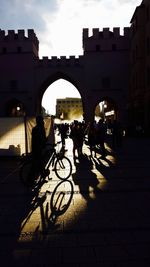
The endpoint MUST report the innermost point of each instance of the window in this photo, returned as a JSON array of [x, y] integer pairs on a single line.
[[19, 49], [148, 75], [13, 85], [134, 55], [106, 82], [136, 22], [136, 51], [77, 62], [148, 46], [147, 13], [114, 47], [16, 36], [4, 50], [136, 81], [98, 48]]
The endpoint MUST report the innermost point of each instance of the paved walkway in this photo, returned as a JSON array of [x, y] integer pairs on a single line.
[[103, 219]]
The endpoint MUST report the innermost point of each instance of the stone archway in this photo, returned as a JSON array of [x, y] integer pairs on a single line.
[[62, 100], [49, 81], [94, 73], [107, 109]]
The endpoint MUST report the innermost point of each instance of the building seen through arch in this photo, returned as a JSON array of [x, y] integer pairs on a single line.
[[69, 108]]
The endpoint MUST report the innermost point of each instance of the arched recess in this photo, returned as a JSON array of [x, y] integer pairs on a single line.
[[107, 109], [49, 81], [15, 108]]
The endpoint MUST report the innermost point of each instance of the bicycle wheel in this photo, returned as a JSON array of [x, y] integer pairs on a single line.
[[26, 173], [63, 168]]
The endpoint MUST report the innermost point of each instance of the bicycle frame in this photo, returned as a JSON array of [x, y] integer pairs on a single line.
[[54, 156], [51, 160]]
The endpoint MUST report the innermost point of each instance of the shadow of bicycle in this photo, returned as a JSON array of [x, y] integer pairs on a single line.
[[60, 200]]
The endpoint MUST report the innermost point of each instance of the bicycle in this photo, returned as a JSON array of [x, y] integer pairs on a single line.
[[57, 162]]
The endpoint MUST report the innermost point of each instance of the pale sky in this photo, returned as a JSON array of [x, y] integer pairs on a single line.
[[58, 25]]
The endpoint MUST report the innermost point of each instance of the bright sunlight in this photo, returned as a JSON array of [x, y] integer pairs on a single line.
[[59, 89]]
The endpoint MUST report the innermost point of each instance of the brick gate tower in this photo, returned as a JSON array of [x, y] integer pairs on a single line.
[[101, 73]]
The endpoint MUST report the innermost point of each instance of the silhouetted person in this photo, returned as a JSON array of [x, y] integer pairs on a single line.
[[100, 136], [63, 129], [77, 136], [91, 133], [38, 144], [139, 130], [117, 134]]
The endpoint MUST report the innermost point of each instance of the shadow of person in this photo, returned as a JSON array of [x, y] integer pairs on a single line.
[[104, 161], [85, 178], [107, 167]]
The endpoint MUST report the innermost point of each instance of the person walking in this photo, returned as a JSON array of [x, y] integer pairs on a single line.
[[91, 134], [77, 136], [117, 134], [100, 136]]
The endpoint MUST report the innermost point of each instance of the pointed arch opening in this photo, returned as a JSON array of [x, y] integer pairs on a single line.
[[63, 101], [106, 109]]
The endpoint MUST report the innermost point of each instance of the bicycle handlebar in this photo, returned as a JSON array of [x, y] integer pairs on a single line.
[[53, 145]]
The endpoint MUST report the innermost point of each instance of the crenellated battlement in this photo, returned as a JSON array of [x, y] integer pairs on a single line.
[[20, 35], [106, 40], [20, 41], [63, 61], [106, 33]]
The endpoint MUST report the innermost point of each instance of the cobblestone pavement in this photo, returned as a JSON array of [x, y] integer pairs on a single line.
[[99, 217]]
